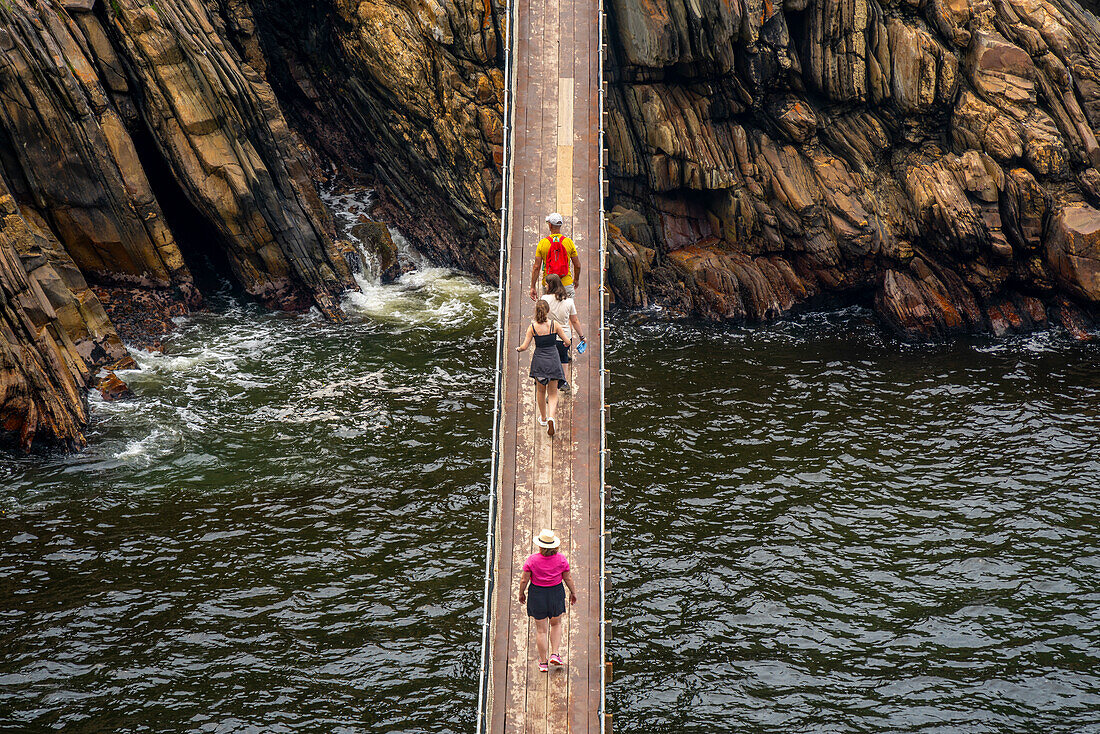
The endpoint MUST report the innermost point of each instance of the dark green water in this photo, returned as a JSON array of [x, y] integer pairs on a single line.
[[285, 532], [819, 530], [816, 530]]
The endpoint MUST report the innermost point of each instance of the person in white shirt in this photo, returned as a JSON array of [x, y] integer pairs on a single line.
[[564, 311]]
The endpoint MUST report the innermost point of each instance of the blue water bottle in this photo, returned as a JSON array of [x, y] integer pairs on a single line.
[[582, 346]]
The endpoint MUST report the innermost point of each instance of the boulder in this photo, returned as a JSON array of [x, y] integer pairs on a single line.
[[112, 387], [628, 267], [375, 238], [1073, 250]]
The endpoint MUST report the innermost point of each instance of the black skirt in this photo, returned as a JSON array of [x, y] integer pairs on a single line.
[[545, 601]]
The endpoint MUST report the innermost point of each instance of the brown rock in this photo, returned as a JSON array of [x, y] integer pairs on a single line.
[[375, 239], [1001, 71], [628, 266], [112, 388], [795, 118], [1073, 250], [70, 155], [219, 127], [1073, 319], [48, 352]]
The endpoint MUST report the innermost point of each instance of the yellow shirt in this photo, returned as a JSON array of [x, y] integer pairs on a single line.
[[543, 250]]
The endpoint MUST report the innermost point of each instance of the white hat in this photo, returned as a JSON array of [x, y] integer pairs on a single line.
[[547, 539], [554, 218]]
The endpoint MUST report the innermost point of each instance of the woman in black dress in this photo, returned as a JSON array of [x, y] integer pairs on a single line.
[[545, 363]]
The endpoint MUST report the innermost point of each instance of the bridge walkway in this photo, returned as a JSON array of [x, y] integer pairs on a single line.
[[553, 162]]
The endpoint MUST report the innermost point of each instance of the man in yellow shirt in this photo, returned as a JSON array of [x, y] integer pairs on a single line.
[[555, 251]]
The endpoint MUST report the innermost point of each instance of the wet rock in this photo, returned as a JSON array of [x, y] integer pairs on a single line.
[[53, 336], [376, 239], [1073, 319], [628, 265], [112, 387]]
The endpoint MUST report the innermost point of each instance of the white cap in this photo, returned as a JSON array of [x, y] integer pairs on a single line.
[[554, 218]]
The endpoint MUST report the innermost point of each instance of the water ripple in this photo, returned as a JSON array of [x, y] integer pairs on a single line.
[[282, 533], [830, 532]]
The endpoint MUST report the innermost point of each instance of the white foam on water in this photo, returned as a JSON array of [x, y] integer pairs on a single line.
[[425, 295], [1036, 342], [144, 451]]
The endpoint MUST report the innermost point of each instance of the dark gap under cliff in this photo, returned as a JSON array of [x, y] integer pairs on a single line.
[[199, 242]]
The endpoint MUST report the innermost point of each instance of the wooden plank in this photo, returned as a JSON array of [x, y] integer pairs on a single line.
[[565, 180], [566, 91], [506, 582], [516, 704]]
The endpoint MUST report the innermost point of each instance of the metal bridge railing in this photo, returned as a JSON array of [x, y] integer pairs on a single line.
[[494, 472], [602, 709]]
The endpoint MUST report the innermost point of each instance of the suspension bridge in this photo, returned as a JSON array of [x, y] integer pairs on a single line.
[[553, 161]]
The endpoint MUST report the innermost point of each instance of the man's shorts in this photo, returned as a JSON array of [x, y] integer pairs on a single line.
[[563, 351], [570, 291]]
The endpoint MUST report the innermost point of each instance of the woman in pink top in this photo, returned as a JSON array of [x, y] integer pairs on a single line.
[[546, 570]]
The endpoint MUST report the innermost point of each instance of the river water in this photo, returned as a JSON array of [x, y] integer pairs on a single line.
[[816, 529]]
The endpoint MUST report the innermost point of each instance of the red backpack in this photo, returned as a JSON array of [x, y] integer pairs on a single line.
[[557, 260]]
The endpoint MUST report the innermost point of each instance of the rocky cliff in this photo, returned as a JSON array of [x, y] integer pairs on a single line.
[[406, 92], [937, 158], [53, 333], [107, 109]]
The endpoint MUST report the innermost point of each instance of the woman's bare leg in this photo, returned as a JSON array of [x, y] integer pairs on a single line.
[[552, 396], [540, 398], [555, 634], [540, 638]]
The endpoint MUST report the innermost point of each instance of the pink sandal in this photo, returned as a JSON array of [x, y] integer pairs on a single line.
[[556, 659], [543, 667]]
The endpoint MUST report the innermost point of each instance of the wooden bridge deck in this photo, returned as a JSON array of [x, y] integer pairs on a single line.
[[552, 163]]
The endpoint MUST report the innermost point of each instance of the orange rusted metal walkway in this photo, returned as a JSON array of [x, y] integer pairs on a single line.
[[553, 161]]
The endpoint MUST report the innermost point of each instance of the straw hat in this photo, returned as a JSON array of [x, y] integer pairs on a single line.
[[547, 539]]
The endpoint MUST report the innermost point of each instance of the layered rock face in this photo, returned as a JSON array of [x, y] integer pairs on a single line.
[[97, 102], [83, 82], [937, 158], [53, 333], [409, 93]]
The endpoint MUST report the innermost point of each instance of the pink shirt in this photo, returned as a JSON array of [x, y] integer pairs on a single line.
[[546, 570]]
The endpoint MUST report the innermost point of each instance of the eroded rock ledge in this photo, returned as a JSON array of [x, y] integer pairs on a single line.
[[937, 158]]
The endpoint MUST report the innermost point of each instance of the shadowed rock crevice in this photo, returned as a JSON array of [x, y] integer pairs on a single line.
[[411, 98]]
